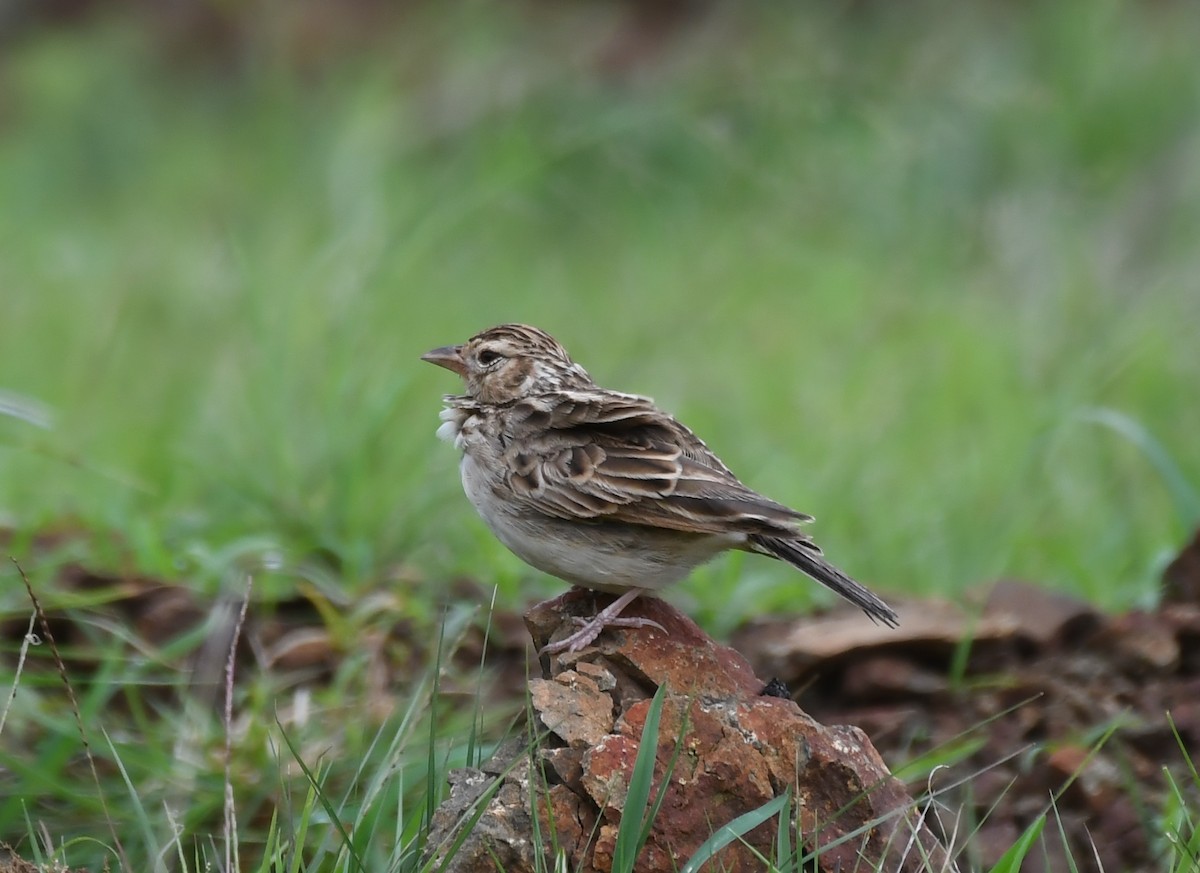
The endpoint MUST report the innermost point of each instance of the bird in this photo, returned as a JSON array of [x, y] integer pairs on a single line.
[[603, 489]]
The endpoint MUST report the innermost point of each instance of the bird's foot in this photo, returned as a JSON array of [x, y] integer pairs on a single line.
[[623, 621], [590, 628]]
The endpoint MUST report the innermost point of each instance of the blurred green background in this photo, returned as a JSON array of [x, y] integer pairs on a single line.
[[930, 273]]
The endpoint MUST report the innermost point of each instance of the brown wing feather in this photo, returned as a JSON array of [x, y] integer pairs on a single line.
[[616, 456]]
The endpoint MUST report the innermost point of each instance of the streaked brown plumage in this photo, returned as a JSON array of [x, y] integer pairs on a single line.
[[600, 488]]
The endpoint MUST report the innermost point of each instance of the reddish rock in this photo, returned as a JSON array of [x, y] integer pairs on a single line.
[[573, 708], [739, 751]]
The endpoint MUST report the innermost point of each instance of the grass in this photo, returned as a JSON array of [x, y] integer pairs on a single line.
[[885, 293], [903, 270]]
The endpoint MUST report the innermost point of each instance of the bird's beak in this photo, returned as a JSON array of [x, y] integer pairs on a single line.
[[449, 357]]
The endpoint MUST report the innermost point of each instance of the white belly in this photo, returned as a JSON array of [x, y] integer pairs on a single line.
[[603, 555]]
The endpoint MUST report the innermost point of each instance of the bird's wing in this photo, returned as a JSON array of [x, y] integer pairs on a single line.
[[617, 457]]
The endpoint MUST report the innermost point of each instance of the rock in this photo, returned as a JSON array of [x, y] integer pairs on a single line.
[[891, 678], [798, 649], [573, 708], [1141, 643], [11, 862], [739, 750], [1042, 616]]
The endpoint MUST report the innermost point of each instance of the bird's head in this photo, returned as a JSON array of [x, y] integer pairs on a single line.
[[510, 362]]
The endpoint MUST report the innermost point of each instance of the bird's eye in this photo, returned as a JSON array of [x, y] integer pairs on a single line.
[[488, 357]]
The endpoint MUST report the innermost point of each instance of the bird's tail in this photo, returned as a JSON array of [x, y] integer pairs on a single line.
[[806, 557]]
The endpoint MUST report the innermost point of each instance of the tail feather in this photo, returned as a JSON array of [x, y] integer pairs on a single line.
[[806, 557]]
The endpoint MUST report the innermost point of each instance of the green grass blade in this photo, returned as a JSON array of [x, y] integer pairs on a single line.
[[139, 809], [629, 835], [431, 785], [661, 796], [1063, 838], [1183, 749], [1010, 861], [1186, 498], [315, 785], [473, 746], [735, 830], [1182, 833], [297, 842], [783, 837]]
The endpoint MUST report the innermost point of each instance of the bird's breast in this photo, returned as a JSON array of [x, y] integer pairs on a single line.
[[454, 419]]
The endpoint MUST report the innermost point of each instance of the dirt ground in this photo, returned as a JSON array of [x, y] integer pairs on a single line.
[[1033, 701]]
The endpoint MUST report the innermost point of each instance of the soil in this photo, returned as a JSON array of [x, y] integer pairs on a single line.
[[1029, 702]]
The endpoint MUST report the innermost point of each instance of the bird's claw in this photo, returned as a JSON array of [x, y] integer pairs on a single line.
[[623, 621], [589, 629]]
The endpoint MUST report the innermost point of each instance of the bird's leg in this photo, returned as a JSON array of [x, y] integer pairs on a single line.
[[610, 616]]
